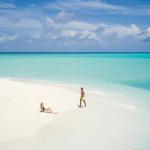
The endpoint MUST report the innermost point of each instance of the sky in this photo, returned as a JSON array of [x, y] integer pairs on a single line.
[[75, 26]]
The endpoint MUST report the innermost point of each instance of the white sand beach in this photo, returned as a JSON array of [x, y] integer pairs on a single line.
[[109, 121], [20, 106]]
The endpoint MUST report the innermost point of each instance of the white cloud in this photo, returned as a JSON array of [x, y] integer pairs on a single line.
[[81, 25], [71, 31], [89, 36], [6, 5], [133, 30], [36, 36], [74, 5], [63, 29], [121, 31], [12, 37], [68, 33], [5, 38], [80, 31], [21, 21], [32, 5], [93, 7], [93, 36], [148, 30], [64, 17], [21, 25], [145, 36], [51, 6], [84, 34], [21, 12], [49, 20], [14, 20], [70, 25], [98, 5]]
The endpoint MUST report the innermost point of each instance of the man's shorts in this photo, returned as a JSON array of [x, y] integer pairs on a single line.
[[83, 98]]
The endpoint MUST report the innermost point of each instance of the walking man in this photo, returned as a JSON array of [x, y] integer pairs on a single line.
[[82, 98]]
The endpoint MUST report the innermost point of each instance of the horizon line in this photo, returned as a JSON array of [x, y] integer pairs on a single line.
[[74, 52]]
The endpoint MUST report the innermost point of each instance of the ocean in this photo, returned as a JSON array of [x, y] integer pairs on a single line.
[[93, 69], [118, 79]]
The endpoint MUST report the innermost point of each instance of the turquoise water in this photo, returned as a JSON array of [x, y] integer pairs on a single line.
[[93, 69]]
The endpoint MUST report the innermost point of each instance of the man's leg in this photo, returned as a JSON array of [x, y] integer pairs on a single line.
[[80, 102], [84, 103]]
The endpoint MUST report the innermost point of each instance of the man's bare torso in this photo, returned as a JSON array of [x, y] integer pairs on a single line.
[[82, 94]]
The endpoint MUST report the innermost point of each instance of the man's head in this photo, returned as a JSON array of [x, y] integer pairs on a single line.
[[82, 89]]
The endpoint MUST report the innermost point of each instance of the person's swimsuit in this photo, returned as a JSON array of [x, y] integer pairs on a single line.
[[43, 108], [83, 98]]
